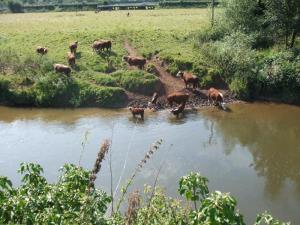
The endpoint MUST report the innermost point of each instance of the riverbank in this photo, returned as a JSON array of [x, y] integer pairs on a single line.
[[168, 39]]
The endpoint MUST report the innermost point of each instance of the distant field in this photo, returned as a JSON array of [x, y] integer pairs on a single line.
[[169, 33]]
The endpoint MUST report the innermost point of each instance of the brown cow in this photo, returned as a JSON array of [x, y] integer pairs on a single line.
[[215, 96], [177, 97], [71, 59], [137, 111], [101, 45], [135, 61], [60, 68], [189, 78], [73, 47], [178, 110], [41, 50]]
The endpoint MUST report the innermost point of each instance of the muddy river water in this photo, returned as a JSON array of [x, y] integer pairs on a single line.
[[251, 151]]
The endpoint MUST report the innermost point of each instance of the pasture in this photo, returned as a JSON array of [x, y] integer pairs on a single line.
[[169, 34]]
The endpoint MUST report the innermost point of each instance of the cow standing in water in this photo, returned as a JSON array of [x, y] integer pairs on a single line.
[[177, 97], [178, 110], [137, 111], [215, 96]]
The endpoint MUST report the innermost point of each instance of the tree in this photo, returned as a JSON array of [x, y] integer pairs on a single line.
[[15, 7], [284, 18]]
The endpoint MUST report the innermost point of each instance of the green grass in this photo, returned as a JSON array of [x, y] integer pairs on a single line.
[[168, 33]]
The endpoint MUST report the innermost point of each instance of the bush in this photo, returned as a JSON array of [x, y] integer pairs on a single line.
[[22, 97], [137, 81], [38, 202], [15, 7], [234, 61], [56, 90], [91, 95], [173, 69], [199, 70], [106, 80], [281, 76], [239, 87], [70, 200], [4, 88]]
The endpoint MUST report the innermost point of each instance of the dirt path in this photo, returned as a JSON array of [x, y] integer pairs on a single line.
[[170, 83]]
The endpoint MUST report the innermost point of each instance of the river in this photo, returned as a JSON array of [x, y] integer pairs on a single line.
[[251, 151]]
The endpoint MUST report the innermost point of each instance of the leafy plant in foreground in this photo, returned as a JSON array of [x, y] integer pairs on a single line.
[[193, 187]]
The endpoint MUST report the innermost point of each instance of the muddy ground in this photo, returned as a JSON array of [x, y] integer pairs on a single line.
[[170, 84]]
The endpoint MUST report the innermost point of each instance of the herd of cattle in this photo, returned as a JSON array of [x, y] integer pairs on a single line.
[[99, 45], [179, 98], [214, 96]]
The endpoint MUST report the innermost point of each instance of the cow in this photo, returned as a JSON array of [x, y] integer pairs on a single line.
[[71, 59], [215, 96], [135, 61], [137, 111], [154, 98], [60, 68], [178, 110], [41, 50], [189, 78], [73, 47], [101, 45], [177, 97]]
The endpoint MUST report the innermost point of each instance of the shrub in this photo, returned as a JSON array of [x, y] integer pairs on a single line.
[[37, 202], [15, 7], [106, 80], [199, 70], [234, 60], [137, 81], [4, 88], [22, 97], [71, 201], [239, 87], [173, 69], [281, 76], [91, 95], [56, 90]]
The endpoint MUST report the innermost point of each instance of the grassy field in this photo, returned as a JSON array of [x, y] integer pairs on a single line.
[[168, 33]]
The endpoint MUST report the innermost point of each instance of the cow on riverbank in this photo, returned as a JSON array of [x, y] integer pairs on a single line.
[[189, 78], [177, 97], [215, 96]]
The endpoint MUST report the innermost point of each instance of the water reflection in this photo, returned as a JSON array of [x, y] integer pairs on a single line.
[[271, 134], [251, 151]]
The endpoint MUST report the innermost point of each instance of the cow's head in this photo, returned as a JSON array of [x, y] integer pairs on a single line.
[[179, 74], [125, 58]]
